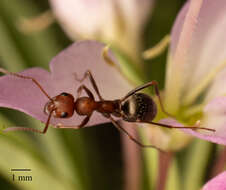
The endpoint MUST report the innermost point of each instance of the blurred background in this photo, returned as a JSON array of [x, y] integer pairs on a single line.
[[87, 159]]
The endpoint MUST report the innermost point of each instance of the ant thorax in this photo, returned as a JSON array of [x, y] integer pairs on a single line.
[[139, 108]]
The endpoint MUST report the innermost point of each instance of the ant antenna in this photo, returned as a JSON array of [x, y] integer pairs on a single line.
[[29, 78]]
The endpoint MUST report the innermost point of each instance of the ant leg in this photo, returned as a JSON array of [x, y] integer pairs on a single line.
[[26, 77], [171, 126], [131, 137], [83, 87], [152, 83], [93, 82], [83, 123], [30, 129]]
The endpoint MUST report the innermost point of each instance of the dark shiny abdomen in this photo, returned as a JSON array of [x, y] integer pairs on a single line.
[[139, 108]]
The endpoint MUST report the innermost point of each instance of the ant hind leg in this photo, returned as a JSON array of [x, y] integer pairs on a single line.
[[120, 128]]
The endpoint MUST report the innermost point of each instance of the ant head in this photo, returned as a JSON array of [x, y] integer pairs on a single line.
[[63, 106], [138, 108]]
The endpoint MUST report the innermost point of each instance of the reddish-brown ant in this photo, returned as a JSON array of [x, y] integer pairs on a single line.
[[134, 107]]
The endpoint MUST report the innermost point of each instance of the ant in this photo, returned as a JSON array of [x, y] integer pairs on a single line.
[[133, 107]]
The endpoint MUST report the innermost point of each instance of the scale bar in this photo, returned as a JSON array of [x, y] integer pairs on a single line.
[[20, 169]]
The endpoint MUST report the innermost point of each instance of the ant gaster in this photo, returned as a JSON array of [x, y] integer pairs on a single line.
[[134, 107]]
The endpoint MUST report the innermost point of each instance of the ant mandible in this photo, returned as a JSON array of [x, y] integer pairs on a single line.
[[133, 107]]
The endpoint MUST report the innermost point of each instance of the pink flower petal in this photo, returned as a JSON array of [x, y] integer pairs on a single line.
[[201, 50], [83, 18], [217, 183], [214, 137], [135, 12], [23, 95], [177, 74], [92, 18], [215, 116], [207, 50], [218, 86]]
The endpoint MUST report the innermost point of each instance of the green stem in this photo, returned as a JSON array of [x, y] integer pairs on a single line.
[[196, 164], [150, 160], [173, 181]]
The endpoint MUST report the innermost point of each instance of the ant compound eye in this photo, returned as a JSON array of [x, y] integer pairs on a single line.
[[64, 114], [64, 94]]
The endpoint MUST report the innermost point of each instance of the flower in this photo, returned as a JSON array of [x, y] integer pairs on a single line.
[[114, 21], [78, 58], [195, 79], [217, 183]]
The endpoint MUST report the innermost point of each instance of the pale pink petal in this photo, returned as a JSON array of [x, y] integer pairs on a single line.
[[217, 183], [135, 13], [204, 50], [214, 116], [132, 16], [93, 18], [215, 137], [208, 49], [177, 27], [177, 69], [83, 18], [218, 86], [23, 95]]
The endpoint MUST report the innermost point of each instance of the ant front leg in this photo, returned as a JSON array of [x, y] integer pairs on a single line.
[[30, 129], [120, 128], [93, 82], [139, 88]]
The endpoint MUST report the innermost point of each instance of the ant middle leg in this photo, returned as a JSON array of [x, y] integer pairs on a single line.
[[196, 126], [131, 137], [139, 88], [93, 82]]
